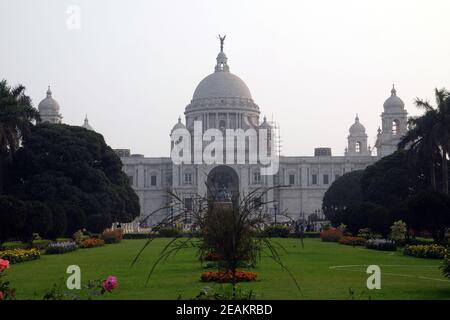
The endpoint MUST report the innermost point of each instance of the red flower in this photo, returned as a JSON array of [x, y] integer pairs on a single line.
[[4, 264], [110, 283]]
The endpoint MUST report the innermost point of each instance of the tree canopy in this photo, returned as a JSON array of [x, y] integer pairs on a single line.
[[344, 192], [72, 170]]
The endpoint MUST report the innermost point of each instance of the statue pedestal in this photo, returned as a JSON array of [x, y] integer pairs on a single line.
[[223, 205]]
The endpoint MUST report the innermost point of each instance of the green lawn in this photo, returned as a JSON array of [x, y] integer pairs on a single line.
[[314, 266]]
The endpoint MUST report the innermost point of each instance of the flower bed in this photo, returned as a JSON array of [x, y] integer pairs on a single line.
[[331, 235], [40, 244], [227, 277], [61, 247], [431, 251], [91, 243], [111, 237], [381, 244], [20, 255], [352, 241]]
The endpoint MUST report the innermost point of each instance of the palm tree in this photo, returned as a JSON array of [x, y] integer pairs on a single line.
[[430, 134], [420, 144], [16, 119]]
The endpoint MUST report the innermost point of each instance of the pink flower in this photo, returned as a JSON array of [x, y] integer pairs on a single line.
[[110, 283], [4, 264]]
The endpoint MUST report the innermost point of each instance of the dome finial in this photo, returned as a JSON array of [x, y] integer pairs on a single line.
[[393, 91], [222, 40], [49, 92], [179, 119], [222, 58], [357, 118]]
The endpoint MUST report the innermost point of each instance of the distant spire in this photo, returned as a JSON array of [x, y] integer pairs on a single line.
[[49, 92], [356, 118], [393, 91], [86, 121]]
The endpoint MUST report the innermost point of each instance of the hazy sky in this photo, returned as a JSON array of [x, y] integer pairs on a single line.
[[134, 65]]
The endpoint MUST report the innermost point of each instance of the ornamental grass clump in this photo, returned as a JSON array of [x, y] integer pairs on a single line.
[[229, 232]]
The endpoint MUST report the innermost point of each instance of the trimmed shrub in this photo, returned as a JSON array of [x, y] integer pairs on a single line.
[[40, 244], [331, 235], [20, 255], [432, 251], [352, 241], [91, 243], [13, 245], [381, 244], [64, 239], [276, 232], [169, 232], [133, 236], [61, 247]]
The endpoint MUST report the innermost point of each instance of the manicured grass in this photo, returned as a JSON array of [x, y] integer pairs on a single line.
[[313, 266]]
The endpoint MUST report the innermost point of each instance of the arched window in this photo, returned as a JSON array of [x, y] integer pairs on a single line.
[[358, 147], [394, 127], [222, 124]]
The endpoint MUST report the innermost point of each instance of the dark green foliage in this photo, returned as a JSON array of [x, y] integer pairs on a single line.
[[12, 217], [169, 232], [59, 219], [389, 181], [367, 215], [72, 168], [135, 236], [430, 211], [276, 232], [344, 192], [97, 222], [38, 220]]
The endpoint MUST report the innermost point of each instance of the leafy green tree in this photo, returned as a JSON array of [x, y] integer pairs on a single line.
[[38, 220], [429, 211], [59, 219], [73, 167], [343, 193], [390, 181], [16, 119], [12, 217]]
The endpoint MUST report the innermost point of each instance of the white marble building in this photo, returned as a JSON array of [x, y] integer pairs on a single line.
[[223, 101]]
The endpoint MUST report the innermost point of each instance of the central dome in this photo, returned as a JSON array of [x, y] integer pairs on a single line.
[[222, 84]]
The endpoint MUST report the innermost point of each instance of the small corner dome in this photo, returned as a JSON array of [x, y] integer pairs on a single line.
[[177, 126], [357, 128], [265, 124], [393, 102], [49, 104], [222, 85], [86, 124]]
